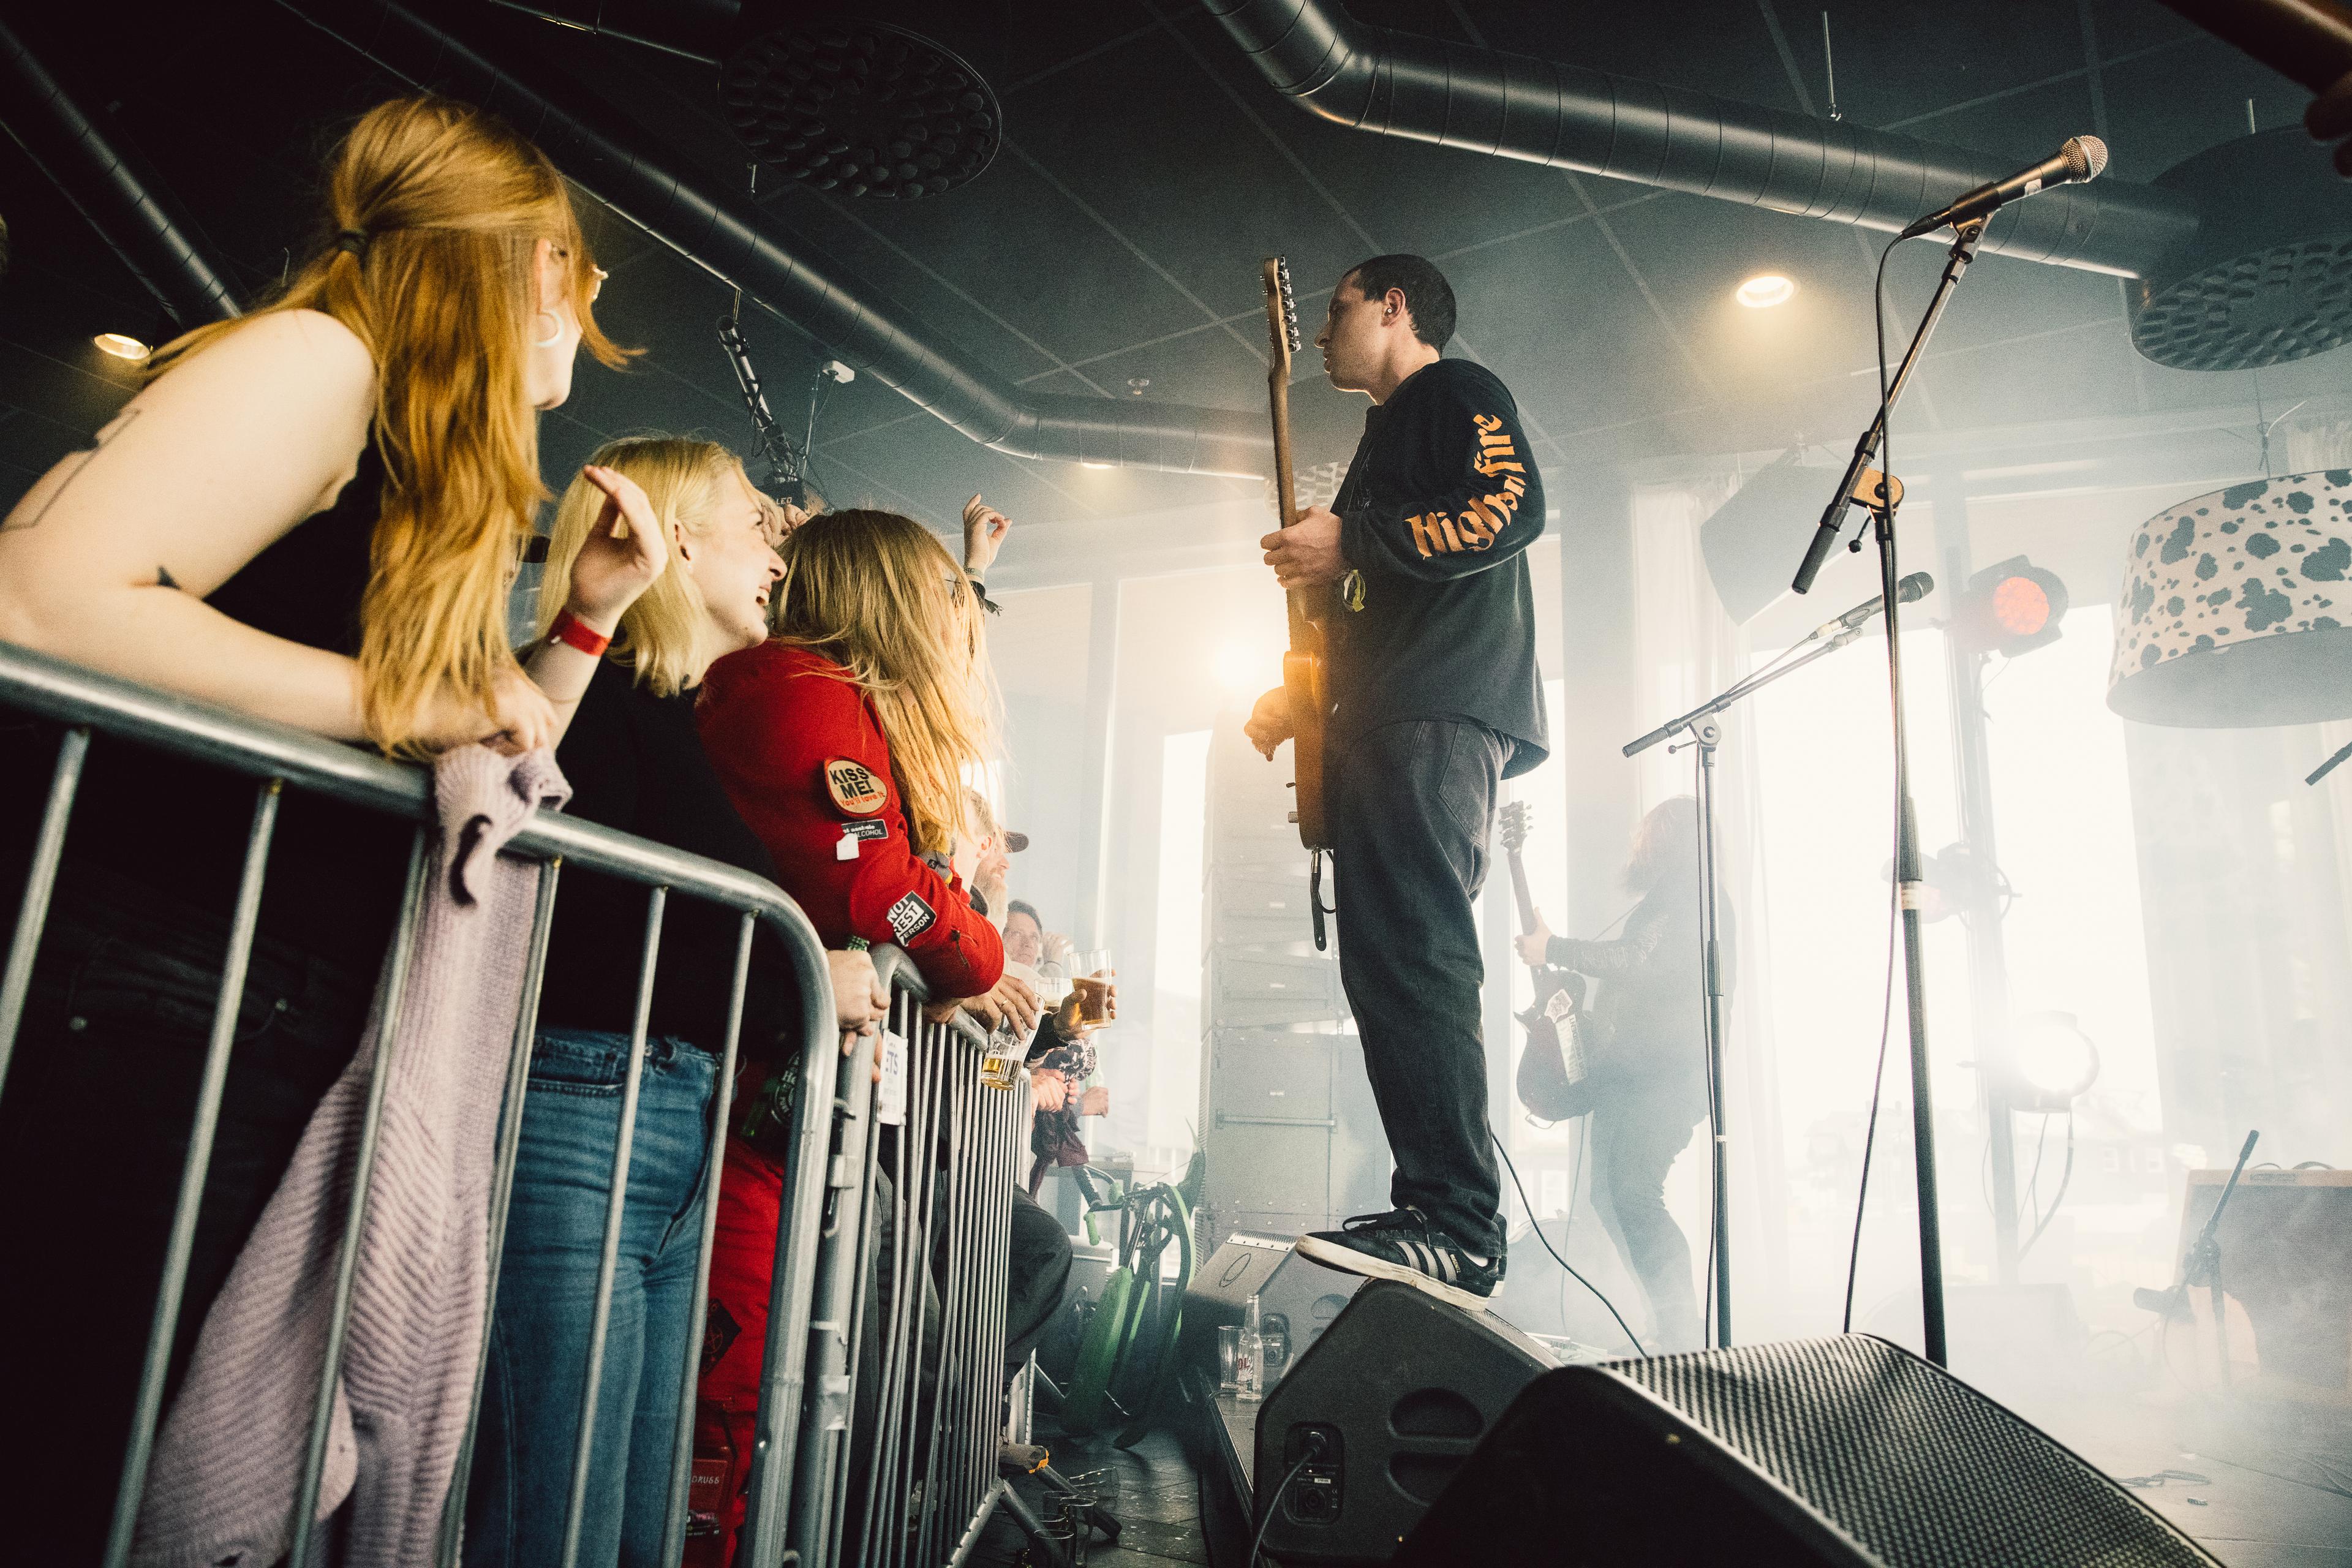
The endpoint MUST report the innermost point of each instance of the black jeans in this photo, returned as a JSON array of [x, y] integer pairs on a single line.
[[1636, 1139], [94, 1127], [1410, 811]]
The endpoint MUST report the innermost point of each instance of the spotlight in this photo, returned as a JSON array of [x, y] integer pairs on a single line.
[[1765, 290], [1244, 670], [121, 345], [2011, 608], [2053, 1062]]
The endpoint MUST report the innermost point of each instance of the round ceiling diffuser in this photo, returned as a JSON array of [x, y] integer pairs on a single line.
[[2267, 278], [851, 103], [2237, 608]]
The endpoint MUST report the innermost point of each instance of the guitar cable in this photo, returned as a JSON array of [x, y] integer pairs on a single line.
[[1555, 1257], [1894, 885], [1311, 1450]]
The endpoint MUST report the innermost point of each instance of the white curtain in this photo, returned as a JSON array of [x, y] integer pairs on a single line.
[[1687, 650]]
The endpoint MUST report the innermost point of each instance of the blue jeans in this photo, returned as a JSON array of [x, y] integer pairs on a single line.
[[521, 1480]]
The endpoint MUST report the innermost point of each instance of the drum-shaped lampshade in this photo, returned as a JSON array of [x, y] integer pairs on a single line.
[[2237, 608]]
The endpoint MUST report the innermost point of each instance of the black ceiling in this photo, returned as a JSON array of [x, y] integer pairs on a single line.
[[1112, 248]]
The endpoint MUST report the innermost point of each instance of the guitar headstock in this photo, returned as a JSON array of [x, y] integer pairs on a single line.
[[1515, 824], [1281, 315]]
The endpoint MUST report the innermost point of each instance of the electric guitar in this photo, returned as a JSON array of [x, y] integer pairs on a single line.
[[1555, 1068], [1303, 666]]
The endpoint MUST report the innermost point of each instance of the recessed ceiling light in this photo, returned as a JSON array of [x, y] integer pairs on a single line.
[[121, 345], [1765, 290], [1084, 464]]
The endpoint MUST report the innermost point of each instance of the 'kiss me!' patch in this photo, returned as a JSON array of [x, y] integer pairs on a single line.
[[854, 787], [910, 917]]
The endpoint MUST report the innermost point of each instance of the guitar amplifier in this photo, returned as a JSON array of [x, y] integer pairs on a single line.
[[1253, 986], [2286, 1264], [1260, 906]]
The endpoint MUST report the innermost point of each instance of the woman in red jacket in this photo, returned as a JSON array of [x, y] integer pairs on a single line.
[[842, 743], [843, 740]]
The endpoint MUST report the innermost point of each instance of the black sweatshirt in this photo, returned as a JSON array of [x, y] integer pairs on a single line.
[[636, 762], [1437, 619]]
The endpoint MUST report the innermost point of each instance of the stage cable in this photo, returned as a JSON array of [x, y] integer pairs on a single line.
[[1894, 880], [1537, 1227], [1314, 1451]]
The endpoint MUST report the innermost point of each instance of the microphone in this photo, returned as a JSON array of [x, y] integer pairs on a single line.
[[2082, 158], [1910, 590]]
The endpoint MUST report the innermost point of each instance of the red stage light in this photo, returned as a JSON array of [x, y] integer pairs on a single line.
[[2020, 606], [2010, 608]]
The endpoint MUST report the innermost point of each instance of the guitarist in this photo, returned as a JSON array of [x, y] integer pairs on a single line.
[[1421, 566], [1649, 1058]]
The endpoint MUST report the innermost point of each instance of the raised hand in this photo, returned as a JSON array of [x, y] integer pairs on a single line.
[[624, 553], [984, 529]]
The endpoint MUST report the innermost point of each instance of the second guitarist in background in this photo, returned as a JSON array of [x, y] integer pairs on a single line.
[[1429, 625], [1649, 1059]]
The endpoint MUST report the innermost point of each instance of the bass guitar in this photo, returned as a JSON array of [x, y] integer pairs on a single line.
[[1555, 1078], [1302, 667]]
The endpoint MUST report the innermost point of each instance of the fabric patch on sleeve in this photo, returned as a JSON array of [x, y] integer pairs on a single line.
[[854, 787], [865, 830], [910, 917]]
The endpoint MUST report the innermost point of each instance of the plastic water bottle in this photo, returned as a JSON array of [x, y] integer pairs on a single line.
[[1249, 1363]]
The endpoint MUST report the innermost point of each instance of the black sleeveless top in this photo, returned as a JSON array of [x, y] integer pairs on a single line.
[[177, 828]]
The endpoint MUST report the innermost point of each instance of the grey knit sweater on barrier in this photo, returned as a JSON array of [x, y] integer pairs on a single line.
[[228, 1463]]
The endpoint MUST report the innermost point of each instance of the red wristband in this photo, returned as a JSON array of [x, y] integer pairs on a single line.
[[572, 631]]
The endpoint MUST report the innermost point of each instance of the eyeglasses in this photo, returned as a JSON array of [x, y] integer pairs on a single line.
[[595, 283]]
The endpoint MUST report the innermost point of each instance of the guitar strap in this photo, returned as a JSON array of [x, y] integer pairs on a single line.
[[1315, 896]]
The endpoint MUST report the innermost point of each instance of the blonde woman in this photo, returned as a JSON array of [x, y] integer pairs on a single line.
[[633, 763], [309, 515]]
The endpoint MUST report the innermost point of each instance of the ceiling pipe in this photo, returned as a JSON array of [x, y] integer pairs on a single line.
[[92, 175], [731, 237], [1546, 111], [693, 29]]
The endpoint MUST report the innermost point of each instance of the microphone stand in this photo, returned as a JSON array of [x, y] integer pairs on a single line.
[[1881, 500], [1705, 735]]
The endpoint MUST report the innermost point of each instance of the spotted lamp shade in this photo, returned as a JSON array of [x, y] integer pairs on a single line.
[[2237, 608]]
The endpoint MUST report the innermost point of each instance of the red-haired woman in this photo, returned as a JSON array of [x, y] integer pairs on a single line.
[[311, 515]]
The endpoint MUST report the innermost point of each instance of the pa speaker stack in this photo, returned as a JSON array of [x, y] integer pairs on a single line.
[[1447, 1438]]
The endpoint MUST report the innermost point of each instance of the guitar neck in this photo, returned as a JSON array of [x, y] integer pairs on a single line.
[[1520, 894], [1286, 492]]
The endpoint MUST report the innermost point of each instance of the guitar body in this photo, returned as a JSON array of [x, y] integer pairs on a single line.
[[1556, 1079], [1304, 671], [1303, 678]]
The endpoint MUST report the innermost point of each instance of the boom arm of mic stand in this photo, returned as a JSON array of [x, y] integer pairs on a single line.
[[1738, 690], [1865, 451]]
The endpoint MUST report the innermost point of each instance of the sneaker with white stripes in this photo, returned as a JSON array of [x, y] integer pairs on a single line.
[[1402, 1245]]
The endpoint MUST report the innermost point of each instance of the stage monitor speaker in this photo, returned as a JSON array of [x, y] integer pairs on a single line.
[[1303, 1299], [1836, 1451], [1401, 1387]]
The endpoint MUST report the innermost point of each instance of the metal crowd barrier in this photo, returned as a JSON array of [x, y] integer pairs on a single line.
[[900, 1457], [278, 758]]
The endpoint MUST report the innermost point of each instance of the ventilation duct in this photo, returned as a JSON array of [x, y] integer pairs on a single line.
[[1545, 112], [883, 98], [2243, 258], [729, 237], [93, 176]]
